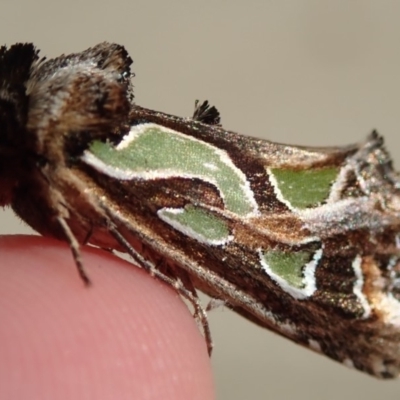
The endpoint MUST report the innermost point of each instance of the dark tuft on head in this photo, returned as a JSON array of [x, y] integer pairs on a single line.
[[16, 62], [15, 69]]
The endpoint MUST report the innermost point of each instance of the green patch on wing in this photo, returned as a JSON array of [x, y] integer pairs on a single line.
[[196, 223], [288, 266], [305, 188], [163, 151]]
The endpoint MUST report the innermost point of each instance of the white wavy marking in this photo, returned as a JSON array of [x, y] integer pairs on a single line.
[[278, 192], [358, 286], [243, 188], [309, 280], [187, 230]]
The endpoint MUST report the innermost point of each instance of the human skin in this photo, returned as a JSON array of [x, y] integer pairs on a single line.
[[128, 336]]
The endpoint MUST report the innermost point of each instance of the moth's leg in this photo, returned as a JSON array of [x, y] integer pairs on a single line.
[[214, 304], [88, 235], [75, 248], [177, 284], [201, 318], [183, 277], [86, 240], [199, 312], [205, 113]]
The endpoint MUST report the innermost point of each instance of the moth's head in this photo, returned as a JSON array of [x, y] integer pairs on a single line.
[[15, 68], [52, 109], [79, 97]]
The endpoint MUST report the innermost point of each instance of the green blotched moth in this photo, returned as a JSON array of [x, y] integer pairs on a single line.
[[302, 241]]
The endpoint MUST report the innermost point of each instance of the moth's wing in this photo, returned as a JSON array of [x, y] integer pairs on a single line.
[[292, 238]]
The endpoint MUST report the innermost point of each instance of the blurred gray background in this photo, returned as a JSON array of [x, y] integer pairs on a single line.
[[309, 72]]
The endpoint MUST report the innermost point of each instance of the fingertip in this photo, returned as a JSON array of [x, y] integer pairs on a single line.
[[128, 335]]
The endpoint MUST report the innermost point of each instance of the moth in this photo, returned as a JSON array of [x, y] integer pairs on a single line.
[[303, 241]]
